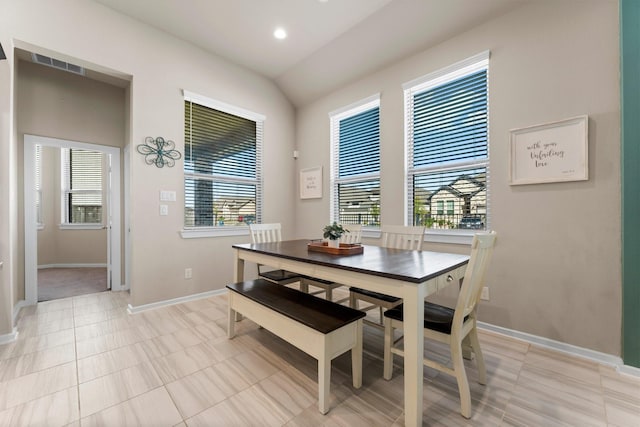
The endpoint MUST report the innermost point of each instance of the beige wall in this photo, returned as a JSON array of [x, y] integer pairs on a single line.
[[161, 68], [58, 246], [556, 271]]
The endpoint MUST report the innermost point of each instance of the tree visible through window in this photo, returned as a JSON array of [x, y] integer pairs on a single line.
[[447, 146], [222, 167]]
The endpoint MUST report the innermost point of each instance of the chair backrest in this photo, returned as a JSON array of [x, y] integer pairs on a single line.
[[474, 278], [354, 235], [265, 233], [402, 237]]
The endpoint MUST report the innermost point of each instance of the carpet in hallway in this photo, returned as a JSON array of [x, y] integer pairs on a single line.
[[55, 283]]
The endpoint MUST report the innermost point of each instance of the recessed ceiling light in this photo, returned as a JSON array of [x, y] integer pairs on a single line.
[[280, 33]]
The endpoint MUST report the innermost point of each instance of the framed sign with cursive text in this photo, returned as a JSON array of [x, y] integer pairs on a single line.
[[551, 152], [311, 183]]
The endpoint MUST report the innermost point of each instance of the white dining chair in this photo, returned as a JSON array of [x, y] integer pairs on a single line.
[[394, 237], [352, 236], [267, 233], [450, 326]]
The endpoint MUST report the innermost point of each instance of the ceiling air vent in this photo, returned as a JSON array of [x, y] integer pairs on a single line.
[[56, 63]]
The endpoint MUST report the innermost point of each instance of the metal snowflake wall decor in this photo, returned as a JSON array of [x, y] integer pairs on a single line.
[[159, 152]]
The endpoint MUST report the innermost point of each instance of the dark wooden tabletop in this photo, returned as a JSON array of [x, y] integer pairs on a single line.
[[399, 264]]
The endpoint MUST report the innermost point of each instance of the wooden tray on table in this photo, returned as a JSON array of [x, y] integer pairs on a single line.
[[344, 249]]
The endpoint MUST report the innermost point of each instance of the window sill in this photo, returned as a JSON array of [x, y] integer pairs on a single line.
[[456, 237], [197, 233], [81, 226]]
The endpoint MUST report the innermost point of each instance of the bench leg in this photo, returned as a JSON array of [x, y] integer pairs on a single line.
[[231, 322], [324, 382], [356, 357]]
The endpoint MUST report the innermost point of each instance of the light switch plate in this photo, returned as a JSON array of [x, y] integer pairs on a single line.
[[164, 210], [167, 196]]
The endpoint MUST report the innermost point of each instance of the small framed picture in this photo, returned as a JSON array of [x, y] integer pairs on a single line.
[[311, 183], [551, 152]]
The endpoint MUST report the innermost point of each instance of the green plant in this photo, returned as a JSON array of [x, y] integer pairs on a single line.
[[334, 231]]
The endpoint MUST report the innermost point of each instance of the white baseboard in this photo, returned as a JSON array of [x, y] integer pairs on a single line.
[[629, 370], [17, 308], [573, 350], [89, 265], [140, 308], [8, 338]]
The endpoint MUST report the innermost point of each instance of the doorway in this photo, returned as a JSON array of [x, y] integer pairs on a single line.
[[86, 213]]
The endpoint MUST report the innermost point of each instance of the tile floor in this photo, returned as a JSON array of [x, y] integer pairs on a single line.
[[85, 361]]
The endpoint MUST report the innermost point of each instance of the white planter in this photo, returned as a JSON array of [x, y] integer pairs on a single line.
[[334, 243]]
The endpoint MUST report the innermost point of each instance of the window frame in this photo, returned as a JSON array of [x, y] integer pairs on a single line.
[[195, 232], [437, 78], [335, 117]]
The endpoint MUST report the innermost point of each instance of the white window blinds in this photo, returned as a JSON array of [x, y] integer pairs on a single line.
[[355, 167], [82, 173], [447, 146], [222, 167]]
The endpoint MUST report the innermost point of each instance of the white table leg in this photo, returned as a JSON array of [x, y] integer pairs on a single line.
[[356, 357], [238, 276], [238, 273], [413, 303]]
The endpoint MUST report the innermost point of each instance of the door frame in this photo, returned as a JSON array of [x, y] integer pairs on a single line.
[[30, 216]]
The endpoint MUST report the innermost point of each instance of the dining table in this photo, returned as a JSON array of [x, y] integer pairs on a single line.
[[407, 274]]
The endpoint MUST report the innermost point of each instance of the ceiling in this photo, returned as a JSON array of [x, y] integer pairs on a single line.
[[330, 43]]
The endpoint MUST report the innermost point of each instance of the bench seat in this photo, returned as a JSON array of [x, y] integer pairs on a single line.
[[323, 329]]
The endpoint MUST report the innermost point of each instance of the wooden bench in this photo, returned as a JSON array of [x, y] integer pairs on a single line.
[[320, 328]]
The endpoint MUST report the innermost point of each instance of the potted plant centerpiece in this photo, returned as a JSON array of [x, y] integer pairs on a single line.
[[333, 233]]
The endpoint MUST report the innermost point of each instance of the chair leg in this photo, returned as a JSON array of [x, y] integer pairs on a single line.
[[329, 294], [475, 345], [304, 286], [388, 356], [466, 348], [461, 377], [381, 316], [353, 302]]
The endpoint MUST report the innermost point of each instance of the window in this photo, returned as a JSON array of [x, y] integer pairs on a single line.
[[82, 186], [450, 210], [222, 167], [355, 163], [446, 119]]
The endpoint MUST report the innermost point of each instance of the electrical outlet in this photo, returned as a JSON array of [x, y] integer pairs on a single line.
[[485, 294], [188, 273]]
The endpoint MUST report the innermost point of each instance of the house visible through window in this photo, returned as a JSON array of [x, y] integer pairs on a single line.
[[355, 163], [222, 167], [447, 146], [82, 173]]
